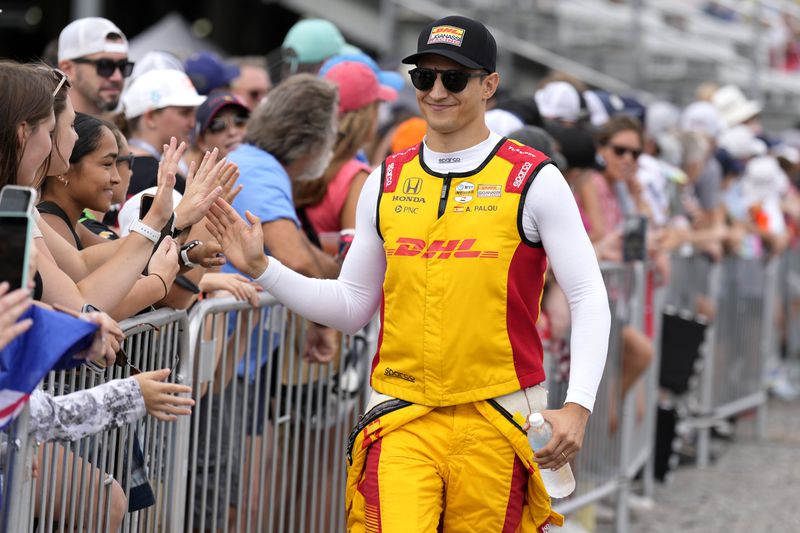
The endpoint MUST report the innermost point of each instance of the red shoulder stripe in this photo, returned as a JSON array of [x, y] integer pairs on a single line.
[[525, 159], [393, 164]]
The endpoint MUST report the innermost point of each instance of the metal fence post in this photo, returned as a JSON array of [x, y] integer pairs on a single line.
[[19, 486], [768, 340]]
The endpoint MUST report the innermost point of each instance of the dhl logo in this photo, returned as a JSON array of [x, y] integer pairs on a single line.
[[457, 248]]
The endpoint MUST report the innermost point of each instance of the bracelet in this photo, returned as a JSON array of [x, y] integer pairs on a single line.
[[164, 283], [142, 229]]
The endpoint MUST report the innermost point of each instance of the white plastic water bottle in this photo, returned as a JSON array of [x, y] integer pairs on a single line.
[[559, 483]]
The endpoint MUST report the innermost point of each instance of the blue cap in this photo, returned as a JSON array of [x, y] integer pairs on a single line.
[[385, 77], [208, 72]]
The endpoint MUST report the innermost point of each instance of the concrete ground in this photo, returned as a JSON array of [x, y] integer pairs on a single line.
[[751, 487]]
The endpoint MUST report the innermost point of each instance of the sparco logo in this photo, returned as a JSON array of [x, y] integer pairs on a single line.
[[394, 374], [522, 172], [449, 160], [389, 171]]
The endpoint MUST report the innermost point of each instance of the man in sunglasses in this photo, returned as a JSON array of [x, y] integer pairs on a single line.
[[453, 237], [93, 52]]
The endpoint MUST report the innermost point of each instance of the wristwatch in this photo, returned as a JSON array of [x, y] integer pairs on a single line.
[[174, 231], [142, 229], [185, 253]]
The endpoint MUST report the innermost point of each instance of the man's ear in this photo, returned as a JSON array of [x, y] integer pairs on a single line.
[[490, 84], [67, 67], [148, 120]]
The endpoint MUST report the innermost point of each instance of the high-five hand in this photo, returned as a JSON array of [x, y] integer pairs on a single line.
[[242, 243]]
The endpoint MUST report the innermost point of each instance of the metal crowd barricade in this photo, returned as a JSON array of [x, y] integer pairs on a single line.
[[267, 435], [740, 297], [790, 290], [75, 490], [598, 466]]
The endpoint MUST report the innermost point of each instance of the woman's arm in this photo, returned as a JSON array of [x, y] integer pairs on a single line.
[[82, 413]]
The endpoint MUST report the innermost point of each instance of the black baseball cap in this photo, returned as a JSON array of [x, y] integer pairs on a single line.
[[465, 41]]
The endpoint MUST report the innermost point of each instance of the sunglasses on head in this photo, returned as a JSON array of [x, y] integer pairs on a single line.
[[62, 81], [620, 151], [106, 67], [129, 159], [454, 81], [220, 124]]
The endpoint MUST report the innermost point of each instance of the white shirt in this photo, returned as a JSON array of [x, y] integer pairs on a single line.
[[550, 215]]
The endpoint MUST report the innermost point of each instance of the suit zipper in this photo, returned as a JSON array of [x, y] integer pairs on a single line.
[[367, 418], [443, 197], [500, 409]]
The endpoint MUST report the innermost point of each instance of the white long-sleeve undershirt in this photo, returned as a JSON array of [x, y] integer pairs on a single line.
[[550, 215]]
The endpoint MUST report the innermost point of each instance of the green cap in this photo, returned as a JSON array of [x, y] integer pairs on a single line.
[[313, 40]]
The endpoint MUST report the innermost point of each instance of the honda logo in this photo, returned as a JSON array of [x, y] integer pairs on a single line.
[[412, 186]]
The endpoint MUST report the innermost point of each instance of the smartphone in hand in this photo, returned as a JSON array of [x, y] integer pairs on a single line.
[[16, 234]]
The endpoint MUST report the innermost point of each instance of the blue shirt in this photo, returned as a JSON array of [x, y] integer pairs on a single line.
[[267, 193], [267, 189]]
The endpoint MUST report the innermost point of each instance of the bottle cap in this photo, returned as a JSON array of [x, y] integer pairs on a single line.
[[536, 420]]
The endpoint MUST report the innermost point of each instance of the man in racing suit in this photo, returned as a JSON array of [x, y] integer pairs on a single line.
[[453, 238]]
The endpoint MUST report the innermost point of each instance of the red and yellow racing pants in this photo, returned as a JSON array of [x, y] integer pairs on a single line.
[[464, 468]]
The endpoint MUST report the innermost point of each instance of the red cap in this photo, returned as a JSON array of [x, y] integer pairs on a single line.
[[358, 86]]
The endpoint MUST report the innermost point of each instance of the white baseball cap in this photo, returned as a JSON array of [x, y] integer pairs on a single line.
[[702, 117], [559, 100], [503, 122], [157, 89], [741, 143], [88, 36]]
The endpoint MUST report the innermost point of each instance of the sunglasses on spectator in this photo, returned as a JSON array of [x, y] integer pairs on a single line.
[[129, 159], [106, 67], [620, 151], [454, 81], [220, 124], [62, 80]]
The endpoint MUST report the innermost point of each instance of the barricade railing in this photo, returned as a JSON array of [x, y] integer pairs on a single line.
[[81, 484], [598, 467], [736, 298], [790, 307], [267, 435], [264, 447]]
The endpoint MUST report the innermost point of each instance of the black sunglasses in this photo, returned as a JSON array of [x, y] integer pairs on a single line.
[[620, 151], [454, 81], [129, 159], [106, 67], [220, 124]]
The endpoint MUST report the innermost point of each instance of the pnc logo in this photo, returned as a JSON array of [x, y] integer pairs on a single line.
[[439, 249], [412, 186]]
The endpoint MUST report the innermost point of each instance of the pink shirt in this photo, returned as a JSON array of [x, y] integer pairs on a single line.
[[612, 213], [326, 216]]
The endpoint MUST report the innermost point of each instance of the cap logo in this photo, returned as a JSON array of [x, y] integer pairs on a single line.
[[446, 35]]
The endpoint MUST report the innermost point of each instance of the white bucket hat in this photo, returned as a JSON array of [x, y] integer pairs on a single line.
[[734, 106]]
